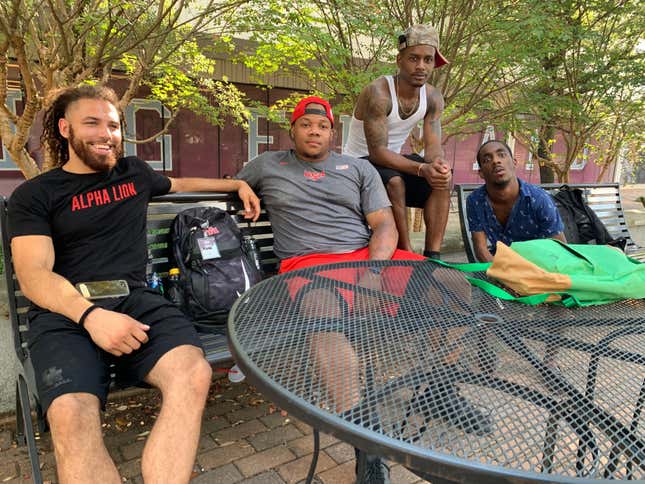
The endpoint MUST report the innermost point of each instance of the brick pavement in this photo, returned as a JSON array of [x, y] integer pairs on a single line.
[[245, 439]]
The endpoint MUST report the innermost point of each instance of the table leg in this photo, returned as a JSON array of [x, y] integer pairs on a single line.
[[314, 458], [361, 467]]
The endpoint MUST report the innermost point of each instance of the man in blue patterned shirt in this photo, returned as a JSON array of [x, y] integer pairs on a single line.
[[506, 208]]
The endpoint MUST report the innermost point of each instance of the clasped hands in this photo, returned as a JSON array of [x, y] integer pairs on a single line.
[[437, 173]]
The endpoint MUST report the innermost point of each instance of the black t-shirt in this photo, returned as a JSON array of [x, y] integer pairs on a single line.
[[97, 221]]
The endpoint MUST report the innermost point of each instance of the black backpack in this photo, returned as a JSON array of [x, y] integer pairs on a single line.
[[214, 268], [581, 224]]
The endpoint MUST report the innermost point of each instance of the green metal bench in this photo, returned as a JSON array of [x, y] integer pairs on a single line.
[[603, 198], [161, 213]]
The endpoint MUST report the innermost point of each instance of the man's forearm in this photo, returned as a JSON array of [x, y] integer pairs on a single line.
[[483, 255], [204, 185], [389, 159], [383, 243], [432, 155], [51, 291]]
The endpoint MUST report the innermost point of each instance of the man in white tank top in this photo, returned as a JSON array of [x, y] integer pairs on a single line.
[[386, 112]]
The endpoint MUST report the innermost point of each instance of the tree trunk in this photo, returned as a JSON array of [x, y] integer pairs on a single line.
[[26, 163], [544, 153]]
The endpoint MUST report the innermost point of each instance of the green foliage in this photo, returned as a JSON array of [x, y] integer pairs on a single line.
[[336, 46], [339, 47], [583, 74], [529, 67], [532, 67], [216, 101], [154, 43]]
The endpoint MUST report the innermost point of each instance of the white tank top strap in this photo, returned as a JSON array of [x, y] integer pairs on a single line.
[[399, 129], [395, 100]]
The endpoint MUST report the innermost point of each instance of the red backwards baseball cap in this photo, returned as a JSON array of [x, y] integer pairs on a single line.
[[301, 109]]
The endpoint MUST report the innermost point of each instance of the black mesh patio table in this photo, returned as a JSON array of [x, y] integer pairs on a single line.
[[453, 383]]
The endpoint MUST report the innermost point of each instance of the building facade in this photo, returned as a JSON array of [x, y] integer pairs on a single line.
[[194, 147]]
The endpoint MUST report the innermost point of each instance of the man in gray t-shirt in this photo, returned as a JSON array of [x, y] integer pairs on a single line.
[[316, 207], [325, 208]]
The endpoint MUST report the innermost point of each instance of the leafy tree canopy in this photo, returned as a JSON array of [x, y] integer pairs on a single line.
[[151, 43]]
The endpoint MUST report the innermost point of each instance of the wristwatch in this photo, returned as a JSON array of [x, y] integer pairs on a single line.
[[375, 270]]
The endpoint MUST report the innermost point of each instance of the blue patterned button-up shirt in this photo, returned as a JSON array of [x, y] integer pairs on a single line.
[[534, 216]]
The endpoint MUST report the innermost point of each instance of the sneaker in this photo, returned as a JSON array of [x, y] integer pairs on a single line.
[[376, 471], [442, 400]]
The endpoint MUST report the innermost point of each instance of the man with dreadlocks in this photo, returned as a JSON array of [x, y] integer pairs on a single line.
[[85, 221]]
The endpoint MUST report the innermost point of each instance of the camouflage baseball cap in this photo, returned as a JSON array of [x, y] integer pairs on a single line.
[[422, 35]]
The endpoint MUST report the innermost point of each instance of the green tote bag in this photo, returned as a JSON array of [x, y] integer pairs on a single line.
[[548, 270]]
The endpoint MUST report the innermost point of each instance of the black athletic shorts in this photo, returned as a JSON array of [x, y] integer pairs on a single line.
[[417, 189], [66, 360]]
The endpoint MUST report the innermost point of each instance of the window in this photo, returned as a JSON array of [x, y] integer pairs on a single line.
[[581, 162], [6, 163], [165, 140], [529, 165], [489, 134]]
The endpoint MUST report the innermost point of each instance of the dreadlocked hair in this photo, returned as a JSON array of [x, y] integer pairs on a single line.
[[51, 139]]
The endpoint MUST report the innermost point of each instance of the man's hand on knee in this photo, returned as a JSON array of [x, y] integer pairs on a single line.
[[114, 332], [437, 173]]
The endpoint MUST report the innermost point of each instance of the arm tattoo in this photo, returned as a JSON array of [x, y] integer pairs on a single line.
[[432, 126], [377, 107], [435, 126]]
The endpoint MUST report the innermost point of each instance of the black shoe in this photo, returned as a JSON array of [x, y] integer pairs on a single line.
[[376, 471], [441, 400], [430, 254]]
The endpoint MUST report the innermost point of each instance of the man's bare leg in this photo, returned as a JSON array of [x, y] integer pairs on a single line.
[[337, 365], [435, 215], [333, 357], [396, 192], [442, 396], [458, 287], [184, 377], [81, 456]]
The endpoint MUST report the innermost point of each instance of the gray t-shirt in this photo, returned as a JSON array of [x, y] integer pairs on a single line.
[[316, 207]]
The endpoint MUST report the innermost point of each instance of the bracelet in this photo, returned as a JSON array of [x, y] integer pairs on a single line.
[[86, 313], [419, 169]]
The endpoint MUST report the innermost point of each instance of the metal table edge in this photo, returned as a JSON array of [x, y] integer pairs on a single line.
[[406, 454]]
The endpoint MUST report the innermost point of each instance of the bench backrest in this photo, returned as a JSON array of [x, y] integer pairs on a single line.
[[603, 198], [161, 213]]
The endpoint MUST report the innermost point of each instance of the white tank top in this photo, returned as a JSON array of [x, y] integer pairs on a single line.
[[398, 129]]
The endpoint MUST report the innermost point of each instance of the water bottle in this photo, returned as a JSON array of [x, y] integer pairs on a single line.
[[154, 282], [173, 291], [248, 244]]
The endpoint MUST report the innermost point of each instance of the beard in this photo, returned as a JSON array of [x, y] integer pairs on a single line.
[[503, 182], [94, 161]]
